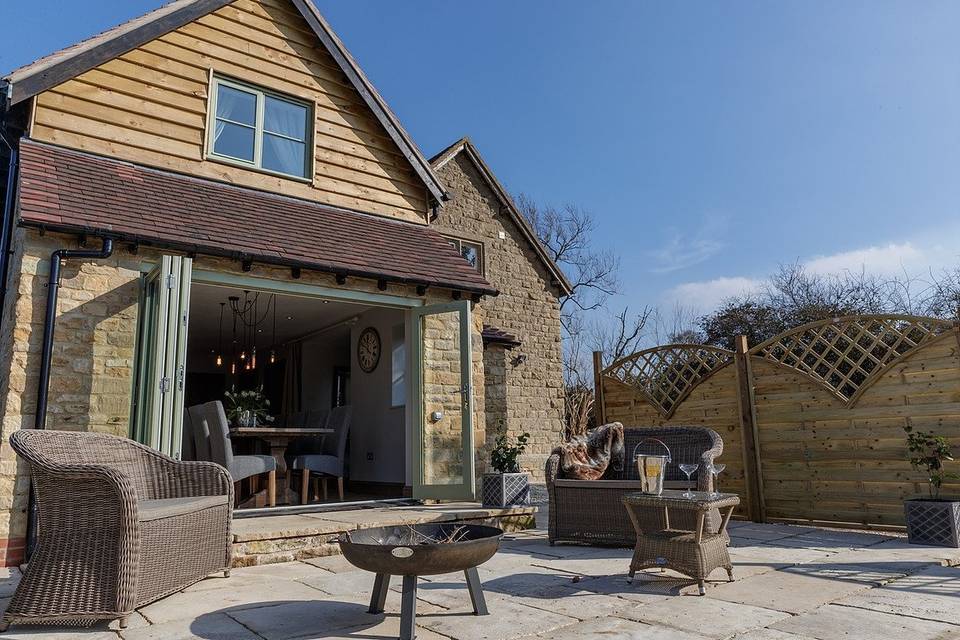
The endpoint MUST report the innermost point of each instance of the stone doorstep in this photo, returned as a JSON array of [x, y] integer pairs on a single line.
[[283, 538]]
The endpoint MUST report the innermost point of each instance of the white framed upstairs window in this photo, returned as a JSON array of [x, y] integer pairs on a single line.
[[260, 129]]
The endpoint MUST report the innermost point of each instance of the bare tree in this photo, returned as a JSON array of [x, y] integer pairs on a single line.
[[566, 234]]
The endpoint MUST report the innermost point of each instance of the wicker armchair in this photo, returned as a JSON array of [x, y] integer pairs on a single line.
[[119, 525], [592, 511]]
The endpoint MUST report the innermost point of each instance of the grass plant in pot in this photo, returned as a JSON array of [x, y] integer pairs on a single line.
[[932, 519], [508, 486]]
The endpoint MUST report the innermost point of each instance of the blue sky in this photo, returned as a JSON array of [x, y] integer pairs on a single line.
[[711, 141]]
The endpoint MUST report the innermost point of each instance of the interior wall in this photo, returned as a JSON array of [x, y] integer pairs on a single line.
[[378, 440], [323, 354]]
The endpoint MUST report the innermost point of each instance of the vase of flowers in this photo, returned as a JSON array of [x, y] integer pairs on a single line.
[[932, 519], [247, 408], [508, 486]]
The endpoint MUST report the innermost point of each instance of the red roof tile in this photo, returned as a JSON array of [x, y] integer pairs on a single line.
[[68, 190]]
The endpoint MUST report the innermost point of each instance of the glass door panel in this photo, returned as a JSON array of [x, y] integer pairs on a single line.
[[443, 429]]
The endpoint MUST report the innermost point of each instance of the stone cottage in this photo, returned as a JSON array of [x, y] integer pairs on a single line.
[[214, 196]]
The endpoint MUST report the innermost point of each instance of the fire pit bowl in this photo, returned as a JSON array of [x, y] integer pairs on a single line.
[[420, 550]]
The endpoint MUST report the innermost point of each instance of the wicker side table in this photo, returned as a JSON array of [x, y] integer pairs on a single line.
[[693, 553]]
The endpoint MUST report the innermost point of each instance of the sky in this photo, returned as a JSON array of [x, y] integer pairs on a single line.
[[712, 142]]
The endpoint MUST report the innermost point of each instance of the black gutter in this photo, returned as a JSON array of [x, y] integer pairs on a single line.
[[191, 248], [49, 323]]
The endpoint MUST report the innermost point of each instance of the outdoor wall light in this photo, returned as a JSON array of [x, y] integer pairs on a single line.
[[518, 360]]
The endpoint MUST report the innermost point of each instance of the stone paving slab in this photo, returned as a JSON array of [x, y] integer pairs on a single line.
[[212, 626], [832, 622], [47, 632], [788, 592], [190, 605], [931, 594], [608, 628], [708, 617], [511, 620], [320, 618]]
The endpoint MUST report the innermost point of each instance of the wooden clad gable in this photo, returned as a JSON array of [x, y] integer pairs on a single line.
[[149, 105]]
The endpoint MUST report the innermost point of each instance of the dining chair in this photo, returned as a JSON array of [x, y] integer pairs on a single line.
[[330, 462], [209, 422]]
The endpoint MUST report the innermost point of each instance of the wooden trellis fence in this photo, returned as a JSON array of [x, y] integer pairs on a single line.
[[812, 419]]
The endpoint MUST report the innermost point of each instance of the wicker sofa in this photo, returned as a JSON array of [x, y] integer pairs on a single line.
[[119, 525], [592, 511]]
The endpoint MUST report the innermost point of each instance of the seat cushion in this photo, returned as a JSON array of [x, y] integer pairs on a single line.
[[319, 464], [169, 507], [246, 466]]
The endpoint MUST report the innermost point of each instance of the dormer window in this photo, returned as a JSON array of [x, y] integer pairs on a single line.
[[260, 129]]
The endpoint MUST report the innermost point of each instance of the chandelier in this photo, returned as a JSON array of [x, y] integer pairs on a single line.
[[248, 322]]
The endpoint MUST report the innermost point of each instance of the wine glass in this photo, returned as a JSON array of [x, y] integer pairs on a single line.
[[716, 470], [688, 468]]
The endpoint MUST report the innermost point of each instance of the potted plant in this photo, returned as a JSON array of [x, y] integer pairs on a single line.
[[247, 408], [508, 485], [932, 519]]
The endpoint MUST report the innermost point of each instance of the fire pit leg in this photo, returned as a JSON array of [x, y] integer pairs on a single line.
[[476, 592], [408, 608], [379, 597]]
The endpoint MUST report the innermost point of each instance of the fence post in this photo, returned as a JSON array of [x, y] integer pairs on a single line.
[[599, 411], [748, 428]]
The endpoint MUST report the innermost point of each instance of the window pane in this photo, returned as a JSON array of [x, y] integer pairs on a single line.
[[471, 252], [233, 140], [285, 118], [398, 367], [236, 105], [285, 156]]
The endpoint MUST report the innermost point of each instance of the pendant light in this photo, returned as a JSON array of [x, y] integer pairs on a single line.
[[220, 337]]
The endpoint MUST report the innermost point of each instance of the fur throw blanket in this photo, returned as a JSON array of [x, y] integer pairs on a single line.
[[589, 456]]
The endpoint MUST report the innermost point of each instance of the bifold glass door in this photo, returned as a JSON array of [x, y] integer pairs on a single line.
[[443, 455], [161, 355]]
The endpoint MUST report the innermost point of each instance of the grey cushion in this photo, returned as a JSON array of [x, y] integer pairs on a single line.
[[246, 466], [320, 464], [170, 507]]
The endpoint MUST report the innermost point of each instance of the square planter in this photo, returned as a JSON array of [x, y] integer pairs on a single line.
[[933, 522], [505, 489]]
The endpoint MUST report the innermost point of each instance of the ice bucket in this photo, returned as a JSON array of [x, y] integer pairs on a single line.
[[651, 468]]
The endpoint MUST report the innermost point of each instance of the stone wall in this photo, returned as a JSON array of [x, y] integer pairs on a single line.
[[528, 395]]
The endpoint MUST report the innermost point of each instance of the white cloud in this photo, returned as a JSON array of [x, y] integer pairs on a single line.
[[684, 250], [914, 258], [710, 294], [889, 259]]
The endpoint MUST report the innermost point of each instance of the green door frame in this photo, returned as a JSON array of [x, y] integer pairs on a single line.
[[415, 310], [466, 489]]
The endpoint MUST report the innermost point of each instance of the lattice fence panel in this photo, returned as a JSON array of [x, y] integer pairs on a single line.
[[666, 375], [848, 354]]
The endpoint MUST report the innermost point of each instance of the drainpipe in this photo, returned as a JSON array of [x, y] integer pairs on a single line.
[[53, 289], [6, 227], [49, 323]]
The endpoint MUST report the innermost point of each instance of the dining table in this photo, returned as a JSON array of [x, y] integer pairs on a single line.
[[277, 438]]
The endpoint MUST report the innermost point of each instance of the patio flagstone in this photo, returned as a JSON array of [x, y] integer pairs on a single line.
[[784, 591], [213, 626], [617, 628], [931, 594], [186, 604], [708, 617], [832, 622], [510, 620]]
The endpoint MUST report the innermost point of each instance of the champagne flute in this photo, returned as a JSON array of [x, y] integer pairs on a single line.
[[688, 468], [716, 470]]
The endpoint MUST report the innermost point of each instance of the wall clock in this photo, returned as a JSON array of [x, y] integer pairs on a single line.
[[368, 349]]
